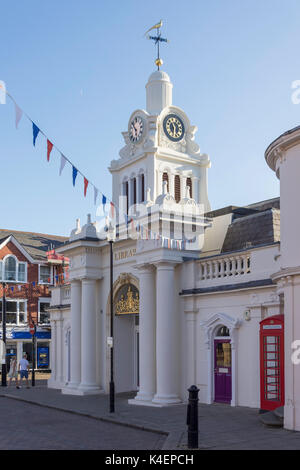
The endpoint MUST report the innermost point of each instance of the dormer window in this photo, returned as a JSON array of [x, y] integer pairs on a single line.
[[12, 270]]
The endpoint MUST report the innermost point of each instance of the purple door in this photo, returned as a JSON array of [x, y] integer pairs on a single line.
[[222, 371]]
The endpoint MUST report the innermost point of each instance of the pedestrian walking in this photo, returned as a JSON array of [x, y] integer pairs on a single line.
[[24, 368], [13, 371]]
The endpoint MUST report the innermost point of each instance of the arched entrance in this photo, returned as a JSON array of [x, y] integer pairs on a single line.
[[222, 365], [126, 334], [221, 337]]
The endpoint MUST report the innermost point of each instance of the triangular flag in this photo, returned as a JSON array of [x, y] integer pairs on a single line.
[[86, 183], [19, 114], [112, 210], [35, 131], [103, 202], [74, 174], [63, 161], [2, 92], [95, 194], [49, 148]]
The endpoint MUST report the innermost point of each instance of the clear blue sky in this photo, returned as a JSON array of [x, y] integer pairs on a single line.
[[79, 69]]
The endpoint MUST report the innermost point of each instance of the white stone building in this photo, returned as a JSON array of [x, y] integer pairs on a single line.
[[183, 316]]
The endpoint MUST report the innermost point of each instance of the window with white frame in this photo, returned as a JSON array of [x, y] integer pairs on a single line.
[[12, 270], [45, 275], [16, 312], [44, 316], [22, 272]]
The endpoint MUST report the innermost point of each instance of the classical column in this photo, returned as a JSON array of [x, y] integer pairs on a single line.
[[88, 337], [130, 193], [59, 350], [172, 184], [147, 334], [75, 334], [182, 186], [195, 188], [159, 184], [52, 380], [138, 189], [167, 352], [291, 390]]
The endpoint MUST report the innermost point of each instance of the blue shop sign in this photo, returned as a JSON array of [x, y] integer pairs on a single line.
[[26, 335]]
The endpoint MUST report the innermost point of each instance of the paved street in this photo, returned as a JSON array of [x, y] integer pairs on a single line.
[[27, 426], [42, 418]]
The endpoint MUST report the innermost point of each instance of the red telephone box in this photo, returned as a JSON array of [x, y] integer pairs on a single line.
[[272, 362]]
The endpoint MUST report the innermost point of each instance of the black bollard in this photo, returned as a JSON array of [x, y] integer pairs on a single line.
[[192, 417]]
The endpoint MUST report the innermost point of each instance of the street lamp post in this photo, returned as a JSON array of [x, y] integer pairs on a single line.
[[33, 326], [111, 384], [3, 375], [111, 239]]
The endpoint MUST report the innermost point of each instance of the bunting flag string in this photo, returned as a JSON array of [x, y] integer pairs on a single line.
[[74, 174], [19, 114], [112, 210], [163, 241], [63, 162], [103, 203], [95, 195], [36, 131], [86, 183], [49, 149]]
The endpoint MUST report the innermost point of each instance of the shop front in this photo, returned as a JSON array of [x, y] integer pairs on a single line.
[[19, 342]]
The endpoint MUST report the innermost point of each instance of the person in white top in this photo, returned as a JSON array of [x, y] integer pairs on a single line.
[[24, 368], [13, 371]]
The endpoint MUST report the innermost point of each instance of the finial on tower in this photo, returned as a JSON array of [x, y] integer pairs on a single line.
[[157, 39]]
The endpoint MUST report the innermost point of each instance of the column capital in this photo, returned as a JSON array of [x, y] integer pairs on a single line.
[[166, 264], [88, 280], [144, 267]]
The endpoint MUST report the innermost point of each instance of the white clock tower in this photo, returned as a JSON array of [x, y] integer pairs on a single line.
[[160, 146]]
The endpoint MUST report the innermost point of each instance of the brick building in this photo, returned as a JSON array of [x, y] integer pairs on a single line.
[[28, 268]]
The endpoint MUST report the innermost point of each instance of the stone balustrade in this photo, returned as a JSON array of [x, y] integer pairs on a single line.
[[225, 267]]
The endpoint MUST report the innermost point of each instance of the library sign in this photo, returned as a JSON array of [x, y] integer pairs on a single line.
[[124, 254]]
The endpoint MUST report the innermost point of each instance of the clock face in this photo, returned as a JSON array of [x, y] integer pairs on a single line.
[[173, 127], [136, 129]]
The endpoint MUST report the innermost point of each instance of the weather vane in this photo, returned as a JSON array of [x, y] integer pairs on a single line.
[[157, 39]]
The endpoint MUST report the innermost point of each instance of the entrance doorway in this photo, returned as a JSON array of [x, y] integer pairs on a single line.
[[126, 338], [222, 371]]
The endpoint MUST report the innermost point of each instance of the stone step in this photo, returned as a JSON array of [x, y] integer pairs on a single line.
[[271, 419], [279, 412]]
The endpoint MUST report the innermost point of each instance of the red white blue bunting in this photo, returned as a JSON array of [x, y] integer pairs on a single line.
[[143, 231]]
